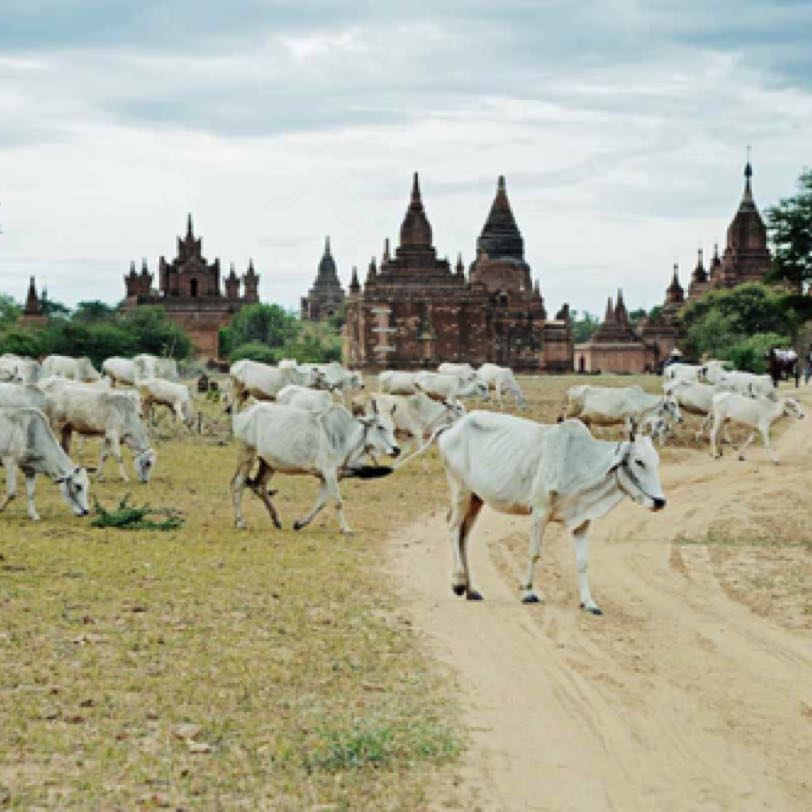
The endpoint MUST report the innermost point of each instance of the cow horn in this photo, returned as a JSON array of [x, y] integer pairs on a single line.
[[374, 406]]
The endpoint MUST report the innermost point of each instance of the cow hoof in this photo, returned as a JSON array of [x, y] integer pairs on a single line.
[[241, 525], [531, 598], [593, 609], [297, 525], [458, 589], [741, 457], [473, 595], [277, 525]]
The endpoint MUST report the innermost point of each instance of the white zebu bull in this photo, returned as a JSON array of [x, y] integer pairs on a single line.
[[175, 396], [288, 440], [449, 387], [106, 413], [153, 366], [501, 379], [119, 370], [415, 417], [18, 369], [27, 442], [758, 413], [554, 473], [74, 369], [265, 382], [302, 397], [748, 384], [393, 382], [630, 405]]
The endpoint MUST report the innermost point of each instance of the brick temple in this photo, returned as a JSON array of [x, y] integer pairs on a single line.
[[33, 311], [326, 297], [415, 310], [189, 291]]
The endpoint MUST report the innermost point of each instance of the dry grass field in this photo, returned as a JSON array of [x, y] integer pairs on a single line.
[[212, 668]]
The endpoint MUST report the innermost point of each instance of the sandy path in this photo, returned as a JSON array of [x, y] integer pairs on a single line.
[[678, 698]]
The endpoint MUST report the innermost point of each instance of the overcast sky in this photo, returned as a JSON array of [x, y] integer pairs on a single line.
[[621, 127]]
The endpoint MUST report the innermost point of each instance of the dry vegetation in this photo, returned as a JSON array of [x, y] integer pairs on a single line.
[[207, 667]]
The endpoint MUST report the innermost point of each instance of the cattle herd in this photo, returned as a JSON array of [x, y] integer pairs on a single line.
[[317, 420]]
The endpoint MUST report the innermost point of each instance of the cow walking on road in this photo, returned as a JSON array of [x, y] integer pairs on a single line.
[[554, 473]]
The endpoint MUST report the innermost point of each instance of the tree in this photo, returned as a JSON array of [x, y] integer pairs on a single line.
[[259, 323], [94, 311], [53, 309], [583, 326], [9, 310], [790, 227], [153, 332]]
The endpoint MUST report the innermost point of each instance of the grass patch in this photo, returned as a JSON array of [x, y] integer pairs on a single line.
[[131, 517]]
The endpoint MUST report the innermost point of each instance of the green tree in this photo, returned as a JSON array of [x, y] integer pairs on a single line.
[[93, 311], [53, 309], [790, 227], [584, 325], [152, 331], [9, 310], [259, 323], [23, 342]]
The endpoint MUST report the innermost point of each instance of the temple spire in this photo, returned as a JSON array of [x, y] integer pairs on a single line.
[[747, 197], [386, 255], [609, 316], [189, 230], [415, 232], [327, 245], [621, 316], [500, 235], [416, 190], [355, 285]]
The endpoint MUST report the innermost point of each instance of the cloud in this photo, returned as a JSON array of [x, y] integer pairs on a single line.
[[621, 128]]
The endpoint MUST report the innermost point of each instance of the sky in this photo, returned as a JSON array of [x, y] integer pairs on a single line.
[[621, 128]]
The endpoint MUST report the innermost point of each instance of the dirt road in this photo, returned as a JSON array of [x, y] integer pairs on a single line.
[[679, 698]]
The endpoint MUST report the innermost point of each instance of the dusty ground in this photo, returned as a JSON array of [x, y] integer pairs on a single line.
[[693, 692]]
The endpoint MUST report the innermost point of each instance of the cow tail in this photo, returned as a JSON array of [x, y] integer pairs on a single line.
[[425, 447]]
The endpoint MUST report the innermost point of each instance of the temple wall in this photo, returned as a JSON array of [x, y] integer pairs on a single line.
[[630, 359]]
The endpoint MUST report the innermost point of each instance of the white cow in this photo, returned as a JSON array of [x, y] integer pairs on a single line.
[[449, 387], [288, 440], [109, 414], [554, 473], [16, 394], [160, 392], [683, 372], [75, 369], [18, 369], [758, 413], [714, 371], [604, 406], [335, 377], [265, 382], [154, 366], [695, 398], [415, 417], [501, 379], [748, 384], [393, 382], [465, 372], [27, 442], [303, 397], [119, 370]]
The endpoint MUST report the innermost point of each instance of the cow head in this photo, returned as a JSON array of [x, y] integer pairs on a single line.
[[637, 472], [379, 431], [74, 488], [670, 409], [793, 409], [454, 410], [144, 462]]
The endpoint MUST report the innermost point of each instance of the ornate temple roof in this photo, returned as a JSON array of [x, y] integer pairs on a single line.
[[415, 232], [747, 230], [327, 275], [500, 237], [674, 293], [700, 274]]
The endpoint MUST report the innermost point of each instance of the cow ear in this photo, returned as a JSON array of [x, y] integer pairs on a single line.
[[393, 410], [374, 403], [621, 452]]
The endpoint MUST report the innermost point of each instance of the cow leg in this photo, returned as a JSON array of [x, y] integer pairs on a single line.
[[321, 501], [11, 483], [115, 448], [30, 482], [245, 460], [474, 507], [580, 536], [746, 444], [259, 485], [465, 507], [534, 552], [65, 436], [713, 433], [765, 436]]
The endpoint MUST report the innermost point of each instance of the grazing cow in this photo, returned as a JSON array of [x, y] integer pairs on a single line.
[[288, 440], [556, 473], [759, 413], [265, 382], [501, 379], [27, 442], [392, 382], [109, 414], [696, 398], [683, 372], [153, 366], [302, 397], [175, 396], [449, 387], [119, 370], [18, 369], [75, 369], [748, 384], [602, 406], [713, 371], [415, 417]]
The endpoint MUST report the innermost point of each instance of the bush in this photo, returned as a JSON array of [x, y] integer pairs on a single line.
[[264, 324], [255, 351], [749, 353]]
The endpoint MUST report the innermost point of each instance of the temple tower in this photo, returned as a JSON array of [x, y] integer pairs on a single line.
[[326, 296]]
